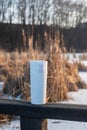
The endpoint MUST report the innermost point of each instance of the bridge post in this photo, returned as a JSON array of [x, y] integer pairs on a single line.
[[27, 123]]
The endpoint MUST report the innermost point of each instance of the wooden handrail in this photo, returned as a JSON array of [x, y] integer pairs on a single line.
[[32, 116]]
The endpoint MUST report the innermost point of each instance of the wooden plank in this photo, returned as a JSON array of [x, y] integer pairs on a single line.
[[71, 112]]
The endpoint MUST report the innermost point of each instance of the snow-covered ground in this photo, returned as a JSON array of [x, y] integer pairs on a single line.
[[79, 97], [76, 57], [13, 125]]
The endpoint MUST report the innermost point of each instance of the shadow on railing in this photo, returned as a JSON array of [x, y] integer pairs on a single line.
[[32, 116]]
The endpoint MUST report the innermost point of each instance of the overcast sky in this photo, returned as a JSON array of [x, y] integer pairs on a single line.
[[84, 2], [80, 1]]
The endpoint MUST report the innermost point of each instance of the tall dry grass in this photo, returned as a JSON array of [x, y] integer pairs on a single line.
[[57, 88], [62, 76]]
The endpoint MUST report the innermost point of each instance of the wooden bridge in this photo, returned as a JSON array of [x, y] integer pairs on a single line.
[[32, 116]]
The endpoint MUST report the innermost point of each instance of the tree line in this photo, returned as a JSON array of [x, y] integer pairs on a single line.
[[56, 14], [60, 12]]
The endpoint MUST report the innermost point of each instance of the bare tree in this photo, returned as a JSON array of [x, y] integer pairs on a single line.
[[22, 11], [3, 9]]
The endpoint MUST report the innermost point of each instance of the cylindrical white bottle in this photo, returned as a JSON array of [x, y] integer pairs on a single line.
[[38, 81]]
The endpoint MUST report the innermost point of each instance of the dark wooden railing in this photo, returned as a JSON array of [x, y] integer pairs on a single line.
[[32, 116]]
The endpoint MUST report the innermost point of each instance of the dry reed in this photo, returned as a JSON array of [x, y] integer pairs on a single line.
[[62, 76]]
